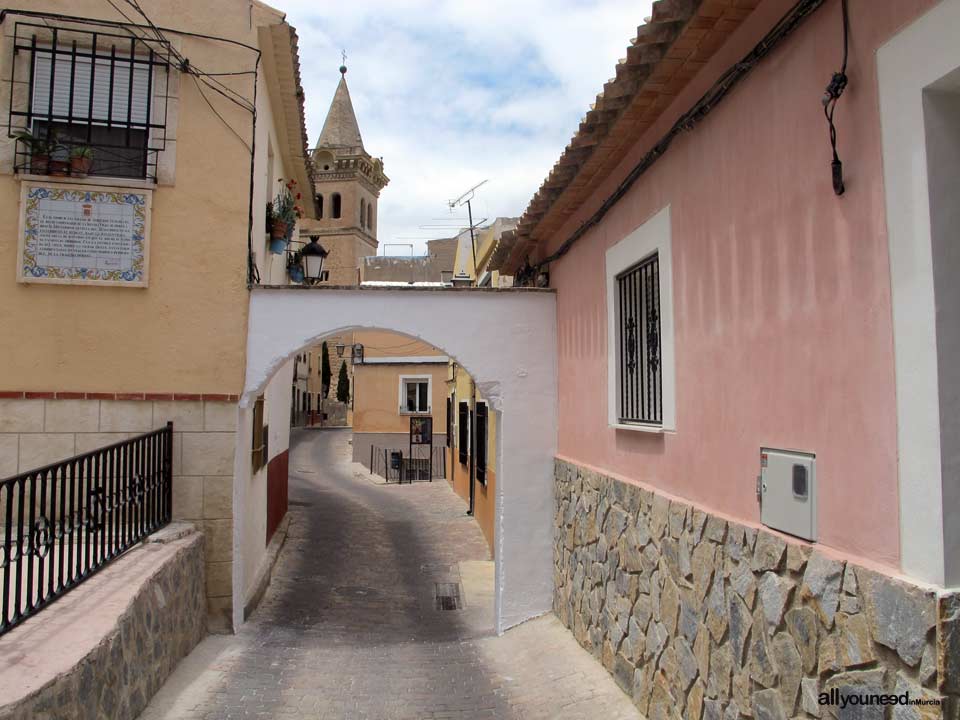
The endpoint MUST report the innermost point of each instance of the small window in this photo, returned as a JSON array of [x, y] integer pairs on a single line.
[[370, 217], [259, 440], [463, 436], [481, 441], [363, 211], [638, 331], [336, 202], [320, 207], [641, 377], [415, 395]]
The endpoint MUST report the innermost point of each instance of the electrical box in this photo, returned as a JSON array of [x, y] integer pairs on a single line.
[[787, 489]]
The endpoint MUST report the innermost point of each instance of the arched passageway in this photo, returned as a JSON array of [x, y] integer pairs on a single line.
[[505, 339]]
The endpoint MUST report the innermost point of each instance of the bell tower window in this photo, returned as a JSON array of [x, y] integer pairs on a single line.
[[363, 208], [336, 202], [320, 206]]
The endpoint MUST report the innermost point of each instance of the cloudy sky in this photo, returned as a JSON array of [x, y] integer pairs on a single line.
[[450, 93]]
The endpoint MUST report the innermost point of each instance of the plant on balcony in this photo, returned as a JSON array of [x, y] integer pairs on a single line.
[[81, 158], [284, 213], [295, 266], [41, 151]]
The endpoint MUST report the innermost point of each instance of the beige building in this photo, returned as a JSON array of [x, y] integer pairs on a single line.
[[125, 278], [348, 185], [398, 378]]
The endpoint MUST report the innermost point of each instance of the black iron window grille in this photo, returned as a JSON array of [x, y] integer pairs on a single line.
[[449, 422], [87, 103], [64, 522], [481, 440], [640, 391]]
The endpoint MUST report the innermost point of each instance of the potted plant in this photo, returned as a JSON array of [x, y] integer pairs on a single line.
[[81, 158], [41, 148], [284, 214], [295, 267]]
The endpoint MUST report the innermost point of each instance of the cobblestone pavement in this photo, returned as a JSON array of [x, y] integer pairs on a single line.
[[348, 627]]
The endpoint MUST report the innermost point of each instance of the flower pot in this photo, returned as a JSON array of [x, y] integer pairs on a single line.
[[296, 273], [278, 229], [278, 246], [58, 167], [80, 165], [39, 163]]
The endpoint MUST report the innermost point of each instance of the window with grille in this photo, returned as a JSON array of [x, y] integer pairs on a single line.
[[480, 438], [415, 395], [88, 94], [639, 362], [641, 370], [449, 422], [258, 449]]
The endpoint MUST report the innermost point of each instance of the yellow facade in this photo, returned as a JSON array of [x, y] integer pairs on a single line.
[[461, 469], [89, 338]]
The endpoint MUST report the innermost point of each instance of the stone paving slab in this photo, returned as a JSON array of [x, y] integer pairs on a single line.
[[349, 627]]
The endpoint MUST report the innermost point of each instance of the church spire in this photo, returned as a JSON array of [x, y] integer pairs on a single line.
[[340, 129]]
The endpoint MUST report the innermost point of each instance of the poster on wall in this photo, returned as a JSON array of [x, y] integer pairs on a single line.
[[83, 235], [421, 431]]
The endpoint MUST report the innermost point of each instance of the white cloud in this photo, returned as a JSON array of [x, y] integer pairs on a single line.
[[450, 93]]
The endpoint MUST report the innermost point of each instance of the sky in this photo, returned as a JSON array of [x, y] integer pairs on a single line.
[[451, 93]]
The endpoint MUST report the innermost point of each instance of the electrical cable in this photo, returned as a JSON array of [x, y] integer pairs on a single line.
[[690, 119], [222, 119], [830, 96]]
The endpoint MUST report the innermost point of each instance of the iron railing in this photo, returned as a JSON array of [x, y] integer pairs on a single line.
[[427, 464], [64, 522], [638, 306]]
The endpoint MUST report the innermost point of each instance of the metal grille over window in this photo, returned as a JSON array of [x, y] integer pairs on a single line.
[[88, 103], [463, 426], [639, 366]]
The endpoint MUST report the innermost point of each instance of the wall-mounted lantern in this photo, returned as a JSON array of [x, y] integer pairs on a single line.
[[340, 347], [313, 255]]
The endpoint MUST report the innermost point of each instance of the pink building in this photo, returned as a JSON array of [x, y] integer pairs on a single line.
[[724, 314]]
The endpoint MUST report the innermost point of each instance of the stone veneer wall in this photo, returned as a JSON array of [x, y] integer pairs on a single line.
[[163, 622], [38, 431], [700, 618]]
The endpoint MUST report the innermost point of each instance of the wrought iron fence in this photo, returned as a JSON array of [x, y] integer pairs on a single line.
[[64, 522], [396, 466], [638, 311]]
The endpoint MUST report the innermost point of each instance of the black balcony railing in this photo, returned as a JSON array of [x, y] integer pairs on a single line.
[[428, 463], [62, 523]]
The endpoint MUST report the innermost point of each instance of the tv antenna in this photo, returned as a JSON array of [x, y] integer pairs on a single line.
[[465, 200]]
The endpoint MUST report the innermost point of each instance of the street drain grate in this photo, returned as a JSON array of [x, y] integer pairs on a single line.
[[448, 596]]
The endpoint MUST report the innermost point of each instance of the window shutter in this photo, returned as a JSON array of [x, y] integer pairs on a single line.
[[449, 422], [81, 90], [481, 441], [463, 417]]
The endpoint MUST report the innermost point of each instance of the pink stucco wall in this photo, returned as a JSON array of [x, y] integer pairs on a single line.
[[782, 290]]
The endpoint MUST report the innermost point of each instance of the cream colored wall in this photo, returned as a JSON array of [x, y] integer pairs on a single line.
[[93, 338], [376, 403], [383, 343]]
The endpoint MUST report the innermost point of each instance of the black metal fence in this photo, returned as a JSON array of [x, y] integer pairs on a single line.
[[64, 522], [396, 466], [638, 298]]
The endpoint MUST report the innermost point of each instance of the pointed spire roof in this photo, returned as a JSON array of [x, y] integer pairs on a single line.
[[340, 129]]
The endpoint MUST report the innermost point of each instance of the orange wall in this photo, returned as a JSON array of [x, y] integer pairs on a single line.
[[376, 399]]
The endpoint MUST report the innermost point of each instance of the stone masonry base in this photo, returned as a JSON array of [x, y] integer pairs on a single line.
[[107, 646], [700, 618]]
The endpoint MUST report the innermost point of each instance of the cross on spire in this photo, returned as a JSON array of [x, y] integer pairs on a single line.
[[343, 66]]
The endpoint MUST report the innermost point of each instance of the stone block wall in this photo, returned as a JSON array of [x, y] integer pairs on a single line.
[[700, 618], [35, 431]]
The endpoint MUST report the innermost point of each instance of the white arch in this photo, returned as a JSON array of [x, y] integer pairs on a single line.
[[506, 340]]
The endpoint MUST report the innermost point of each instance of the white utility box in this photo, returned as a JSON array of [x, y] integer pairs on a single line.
[[788, 492]]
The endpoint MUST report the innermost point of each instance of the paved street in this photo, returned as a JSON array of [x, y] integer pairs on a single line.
[[349, 626]]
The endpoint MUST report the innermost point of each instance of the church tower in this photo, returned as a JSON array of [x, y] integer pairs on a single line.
[[348, 184]]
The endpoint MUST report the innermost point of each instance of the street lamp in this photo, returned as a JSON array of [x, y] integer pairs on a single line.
[[340, 347], [313, 255]]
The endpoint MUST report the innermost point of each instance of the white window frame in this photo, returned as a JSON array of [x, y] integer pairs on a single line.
[[404, 379], [654, 236]]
